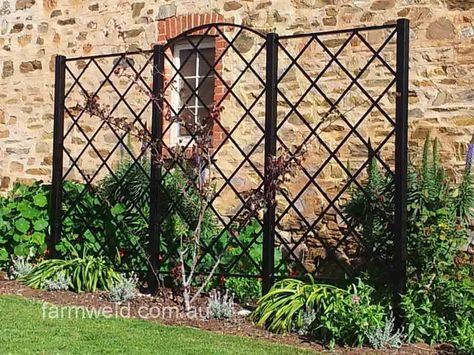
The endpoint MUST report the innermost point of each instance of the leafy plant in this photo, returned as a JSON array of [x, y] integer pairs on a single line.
[[287, 302], [440, 283], [246, 290], [125, 290], [129, 186], [59, 282], [309, 317], [20, 267], [437, 214], [339, 316], [23, 222], [386, 337], [221, 305], [87, 273], [244, 253], [91, 224]]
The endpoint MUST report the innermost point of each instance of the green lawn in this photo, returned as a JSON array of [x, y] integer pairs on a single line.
[[24, 331]]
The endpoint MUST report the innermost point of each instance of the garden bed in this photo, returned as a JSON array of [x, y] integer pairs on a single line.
[[239, 325]]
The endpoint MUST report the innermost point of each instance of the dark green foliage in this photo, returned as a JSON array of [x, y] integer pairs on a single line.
[[180, 203], [111, 221], [437, 214], [23, 222], [371, 210], [248, 263], [245, 290], [338, 315], [90, 223], [251, 239], [440, 285]]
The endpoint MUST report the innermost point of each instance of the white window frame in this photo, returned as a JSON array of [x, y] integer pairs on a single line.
[[176, 138]]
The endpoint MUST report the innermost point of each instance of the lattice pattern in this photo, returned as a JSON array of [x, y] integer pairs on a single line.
[[340, 112], [333, 96]]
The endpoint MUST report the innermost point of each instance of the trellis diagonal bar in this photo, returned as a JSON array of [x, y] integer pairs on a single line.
[[160, 152], [401, 167], [155, 156], [58, 139], [268, 252]]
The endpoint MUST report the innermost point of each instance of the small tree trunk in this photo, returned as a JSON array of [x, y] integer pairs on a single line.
[[187, 298]]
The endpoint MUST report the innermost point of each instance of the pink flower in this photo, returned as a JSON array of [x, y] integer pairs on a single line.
[[355, 299]]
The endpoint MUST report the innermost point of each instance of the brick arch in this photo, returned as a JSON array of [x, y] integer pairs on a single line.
[[172, 27]]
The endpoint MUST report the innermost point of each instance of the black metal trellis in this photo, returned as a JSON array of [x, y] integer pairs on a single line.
[[269, 67]]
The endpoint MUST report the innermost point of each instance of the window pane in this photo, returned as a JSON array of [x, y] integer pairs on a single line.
[[186, 90], [187, 121], [206, 92], [208, 54], [203, 114], [188, 68]]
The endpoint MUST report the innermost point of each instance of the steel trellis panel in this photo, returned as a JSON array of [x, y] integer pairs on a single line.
[[267, 89]]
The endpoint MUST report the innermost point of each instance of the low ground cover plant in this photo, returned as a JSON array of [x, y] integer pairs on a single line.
[[386, 337], [20, 267], [220, 305], [125, 290], [58, 283]]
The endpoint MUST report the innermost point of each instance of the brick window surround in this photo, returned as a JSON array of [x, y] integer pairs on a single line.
[[174, 26]]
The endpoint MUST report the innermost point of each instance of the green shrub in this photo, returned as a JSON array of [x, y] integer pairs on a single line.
[[437, 214], [250, 239], [338, 315], [23, 223], [129, 186], [86, 273], [440, 310], [89, 223], [440, 286], [246, 290]]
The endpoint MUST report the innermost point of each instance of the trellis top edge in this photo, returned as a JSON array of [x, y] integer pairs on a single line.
[[246, 28]]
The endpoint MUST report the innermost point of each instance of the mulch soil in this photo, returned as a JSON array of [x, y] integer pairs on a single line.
[[147, 307]]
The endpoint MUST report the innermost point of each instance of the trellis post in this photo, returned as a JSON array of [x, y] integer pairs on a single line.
[[401, 169], [155, 178], [57, 173], [268, 252]]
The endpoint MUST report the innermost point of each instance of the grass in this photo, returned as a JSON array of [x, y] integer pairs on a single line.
[[23, 330]]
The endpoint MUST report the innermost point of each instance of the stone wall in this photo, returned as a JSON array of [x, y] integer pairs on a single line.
[[32, 32]]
